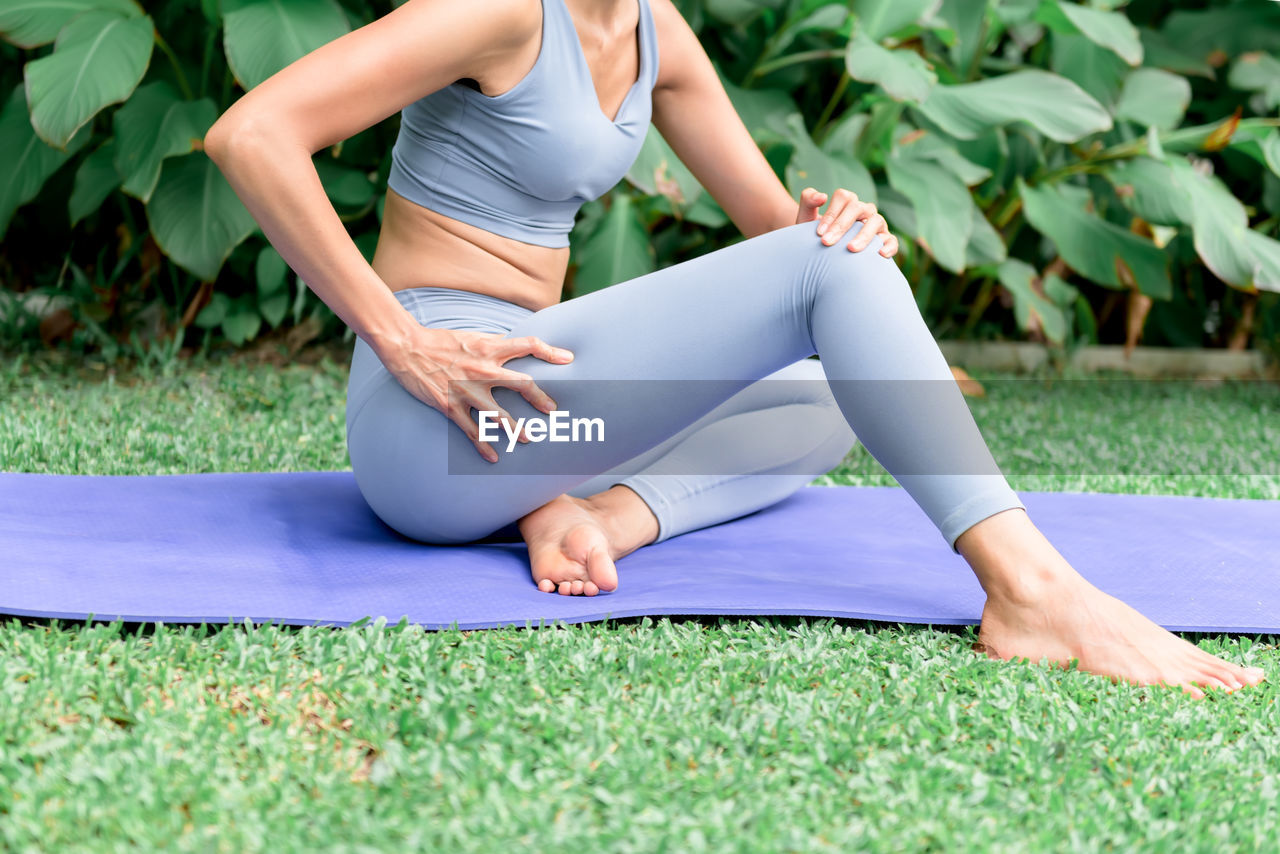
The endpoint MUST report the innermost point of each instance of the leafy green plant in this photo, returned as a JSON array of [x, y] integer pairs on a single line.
[[104, 87], [1057, 170], [1113, 166]]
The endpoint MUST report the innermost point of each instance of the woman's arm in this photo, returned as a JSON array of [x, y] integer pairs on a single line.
[[696, 118], [264, 142]]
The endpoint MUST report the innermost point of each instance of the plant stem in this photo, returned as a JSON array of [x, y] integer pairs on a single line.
[[177, 68], [205, 62], [979, 306], [794, 59], [820, 130], [1012, 204]]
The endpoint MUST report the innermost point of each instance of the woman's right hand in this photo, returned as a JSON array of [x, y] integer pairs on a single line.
[[456, 371]]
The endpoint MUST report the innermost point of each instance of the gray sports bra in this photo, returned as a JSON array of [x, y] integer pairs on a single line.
[[522, 163]]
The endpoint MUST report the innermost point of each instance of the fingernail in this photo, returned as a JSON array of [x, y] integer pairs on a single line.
[[565, 354], [822, 226]]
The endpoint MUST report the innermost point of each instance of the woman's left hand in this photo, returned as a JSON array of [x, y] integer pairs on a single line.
[[844, 211]]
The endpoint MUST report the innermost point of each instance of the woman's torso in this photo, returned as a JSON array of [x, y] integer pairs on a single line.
[[419, 246]]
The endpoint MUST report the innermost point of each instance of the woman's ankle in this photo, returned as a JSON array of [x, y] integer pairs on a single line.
[[1013, 560], [626, 517]]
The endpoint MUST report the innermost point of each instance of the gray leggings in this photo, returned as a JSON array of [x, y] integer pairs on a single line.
[[710, 408]]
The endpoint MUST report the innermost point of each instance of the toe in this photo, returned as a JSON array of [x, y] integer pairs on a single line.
[[1218, 678], [576, 587], [566, 588], [589, 588], [1247, 675], [546, 585], [601, 569]]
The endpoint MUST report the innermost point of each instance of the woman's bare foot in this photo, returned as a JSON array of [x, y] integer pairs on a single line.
[[573, 542], [1039, 607]]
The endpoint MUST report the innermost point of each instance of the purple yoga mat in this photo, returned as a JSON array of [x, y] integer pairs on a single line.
[[304, 548]]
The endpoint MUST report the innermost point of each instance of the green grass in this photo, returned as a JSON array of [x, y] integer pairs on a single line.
[[716, 734]]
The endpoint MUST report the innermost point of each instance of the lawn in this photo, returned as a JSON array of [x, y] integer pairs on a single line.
[[671, 734]]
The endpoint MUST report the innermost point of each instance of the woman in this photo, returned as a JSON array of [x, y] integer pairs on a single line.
[[511, 120]]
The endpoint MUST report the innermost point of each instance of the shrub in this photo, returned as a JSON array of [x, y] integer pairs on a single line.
[[1066, 172]]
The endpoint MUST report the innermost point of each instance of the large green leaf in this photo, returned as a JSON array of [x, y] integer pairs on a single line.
[[1055, 106], [195, 215], [1266, 253], [1012, 12], [1016, 275], [97, 60], [1257, 72], [346, 187], [618, 250], [657, 171], [156, 123], [1093, 247], [986, 246], [1153, 97], [1147, 187], [901, 73], [882, 119], [841, 137], [1231, 29], [1096, 70], [738, 12], [810, 166], [968, 17], [880, 18], [273, 291], [32, 23], [898, 212], [1111, 30], [1260, 143], [95, 179], [763, 111], [263, 37], [923, 145], [829, 18], [1220, 225], [242, 321], [1159, 52], [1170, 191], [26, 162], [944, 209]]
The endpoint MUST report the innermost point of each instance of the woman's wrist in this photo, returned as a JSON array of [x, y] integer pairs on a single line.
[[391, 334]]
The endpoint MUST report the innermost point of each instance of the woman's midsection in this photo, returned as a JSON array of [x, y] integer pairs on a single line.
[[419, 247]]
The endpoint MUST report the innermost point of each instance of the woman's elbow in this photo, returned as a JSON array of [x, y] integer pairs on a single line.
[[232, 131], [221, 137]]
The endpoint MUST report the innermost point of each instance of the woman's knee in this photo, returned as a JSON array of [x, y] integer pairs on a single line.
[[872, 272]]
